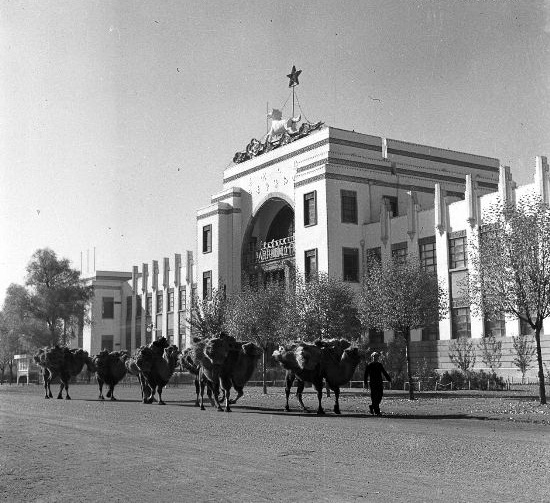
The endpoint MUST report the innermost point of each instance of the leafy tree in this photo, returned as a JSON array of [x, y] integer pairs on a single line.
[[208, 316], [9, 346], [257, 315], [524, 353], [491, 351], [510, 270], [401, 296], [462, 353], [325, 308], [57, 295]]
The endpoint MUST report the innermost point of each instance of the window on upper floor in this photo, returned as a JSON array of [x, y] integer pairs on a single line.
[[170, 300], [428, 257], [207, 285], [207, 238], [108, 308], [458, 251], [310, 264], [399, 252], [182, 301], [310, 208], [391, 205], [349, 206], [159, 301], [350, 264]]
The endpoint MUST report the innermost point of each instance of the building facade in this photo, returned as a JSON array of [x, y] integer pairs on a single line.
[[332, 199]]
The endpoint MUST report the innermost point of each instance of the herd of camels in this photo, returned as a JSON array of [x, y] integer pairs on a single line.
[[218, 364]]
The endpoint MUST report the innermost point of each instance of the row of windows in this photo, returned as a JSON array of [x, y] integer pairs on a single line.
[[108, 303]]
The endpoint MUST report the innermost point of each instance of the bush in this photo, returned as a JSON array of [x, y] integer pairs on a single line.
[[477, 380]]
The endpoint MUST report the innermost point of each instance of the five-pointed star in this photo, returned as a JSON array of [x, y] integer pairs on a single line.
[[293, 76]]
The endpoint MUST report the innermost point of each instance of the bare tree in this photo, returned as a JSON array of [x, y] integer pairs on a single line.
[[462, 354], [209, 316], [401, 296], [491, 351], [524, 353], [510, 270]]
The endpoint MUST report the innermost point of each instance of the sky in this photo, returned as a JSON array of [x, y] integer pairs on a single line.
[[117, 119]]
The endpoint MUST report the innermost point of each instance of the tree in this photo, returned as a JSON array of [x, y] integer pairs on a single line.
[[491, 351], [257, 315], [9, 346], [208, 316], [462, 353], [524, 353], [510, 270], [401, 296], [325, 308], [57, 295]]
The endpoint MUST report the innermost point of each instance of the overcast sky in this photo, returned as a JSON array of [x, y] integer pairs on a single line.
[[117, 119]]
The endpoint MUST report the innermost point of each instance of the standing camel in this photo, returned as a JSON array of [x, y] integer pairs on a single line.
[[110, 370]]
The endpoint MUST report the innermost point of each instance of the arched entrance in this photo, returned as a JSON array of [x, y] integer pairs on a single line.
[[268, 247]]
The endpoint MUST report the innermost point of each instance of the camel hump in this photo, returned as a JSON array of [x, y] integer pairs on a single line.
[[308, 356], [251, 349]]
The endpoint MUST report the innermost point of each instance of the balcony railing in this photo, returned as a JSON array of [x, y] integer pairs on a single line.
[[275, 249]]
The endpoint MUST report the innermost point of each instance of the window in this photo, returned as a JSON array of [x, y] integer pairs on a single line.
[[376, 336], [373, 256], [107, 342], [170, 300], [525, 328], [149, 305], [391, 205], [182, 301], [138, 306], [108, 310], [310, 208], [458, 251], [207, 285], [431, 332], [207, 238], [428, 257], [460, 319], [350, 258], [129, 307], [349, 206], [495, 325], [159, 302], [399, 252], [311, 264]]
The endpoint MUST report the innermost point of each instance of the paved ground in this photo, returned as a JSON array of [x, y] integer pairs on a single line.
[[445, 447]]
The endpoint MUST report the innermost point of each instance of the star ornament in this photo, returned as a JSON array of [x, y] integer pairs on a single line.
[[293, 76]]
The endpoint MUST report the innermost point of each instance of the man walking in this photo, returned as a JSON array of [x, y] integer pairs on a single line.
[[373, 373]]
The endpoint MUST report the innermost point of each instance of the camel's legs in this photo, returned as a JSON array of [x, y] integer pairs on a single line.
[[289, 379], [111, 392], [202, 384], [319, 389], [226, 385], [300, 385], [47, 387], [100, 384], [197, 389], [67, 397], [159, 390], [240, 393], [336, 390], [60, 394]]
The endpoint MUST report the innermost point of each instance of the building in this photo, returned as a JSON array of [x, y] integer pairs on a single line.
[[130, 309], [329, 199]]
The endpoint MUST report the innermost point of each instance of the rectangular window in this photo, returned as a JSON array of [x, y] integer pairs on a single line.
[[149, 305], [108, 309], [171, 300], [129, 307], [159, 301], [495, 325], [458, 252], [399, 252], [310, 208], [107, 342], [460, 319], [431, 333], [138, 306], [207, 285], [182, 301], [391, 205], [350, 259], [525, 328], [428, 257], [376, 336], [207, 238], [349, 206], [311, 264]]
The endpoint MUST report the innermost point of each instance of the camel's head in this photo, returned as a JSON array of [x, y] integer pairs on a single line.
[[353, 355], [216, 350], [161, 344], [172, 354], [308, 356], [250, 349]]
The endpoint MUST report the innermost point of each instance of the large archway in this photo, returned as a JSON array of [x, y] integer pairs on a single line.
[[268, 247]]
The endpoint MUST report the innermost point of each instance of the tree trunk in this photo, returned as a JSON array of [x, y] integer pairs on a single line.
[[264, 372], [11, 373], [407, 335], [542, 390]]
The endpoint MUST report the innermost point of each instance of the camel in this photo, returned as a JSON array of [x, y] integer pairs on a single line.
[[238, 369], [157, 368], [302, 362], [211, 355], [187, 362], [63, 362], [110, 370], [334, 361]]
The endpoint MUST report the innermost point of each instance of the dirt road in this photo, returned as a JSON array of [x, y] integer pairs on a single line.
[[86, 450]]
